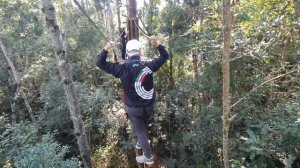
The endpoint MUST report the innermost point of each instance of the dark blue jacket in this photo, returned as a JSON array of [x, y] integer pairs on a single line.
[[136, 76]]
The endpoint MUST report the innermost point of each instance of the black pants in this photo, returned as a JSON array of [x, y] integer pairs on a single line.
[[139, 118]]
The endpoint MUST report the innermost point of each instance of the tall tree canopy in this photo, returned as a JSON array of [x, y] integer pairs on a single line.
[[263, 48]]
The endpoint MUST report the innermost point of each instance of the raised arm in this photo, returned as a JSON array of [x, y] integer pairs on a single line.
[[111, 68], [163, 55]]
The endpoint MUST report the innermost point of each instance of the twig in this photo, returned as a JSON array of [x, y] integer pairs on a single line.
[[262, 85], [233, 117]]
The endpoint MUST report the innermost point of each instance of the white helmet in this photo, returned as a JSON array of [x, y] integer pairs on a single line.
[[133, 47]]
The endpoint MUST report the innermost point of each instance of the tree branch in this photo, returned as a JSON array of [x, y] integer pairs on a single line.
[[233, 117], [255, 88], [16, 78], [11, 65]]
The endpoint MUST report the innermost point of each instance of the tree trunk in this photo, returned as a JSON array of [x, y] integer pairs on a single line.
[[65, 72], [171, 39], [133, 33], [17, 81], [13, 100], [132, 21], [27, 105], [171, 76], [297, 13], [110, 20], [118, 3], [13, 111], [195, 64], [226, 79], [150, 16], [150, 23], [297, 7]]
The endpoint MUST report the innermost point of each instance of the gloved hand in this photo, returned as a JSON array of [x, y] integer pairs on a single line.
[[153, 40], [109, 45]]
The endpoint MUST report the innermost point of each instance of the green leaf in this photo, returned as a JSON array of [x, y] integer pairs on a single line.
[[253, 148], [251, 134]]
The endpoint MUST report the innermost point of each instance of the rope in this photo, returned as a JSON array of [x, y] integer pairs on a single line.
[[123, 31], [97, 28], [146, 34], [143, 32], [90, 20]]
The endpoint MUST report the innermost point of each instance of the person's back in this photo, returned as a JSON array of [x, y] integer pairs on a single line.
[[138, 88], [137, 83]]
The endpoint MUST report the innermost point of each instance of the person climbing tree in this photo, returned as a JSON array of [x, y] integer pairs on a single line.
[[138, 88]]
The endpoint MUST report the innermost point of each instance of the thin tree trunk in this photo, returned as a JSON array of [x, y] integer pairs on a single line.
[[150, 23], [226, 79], [110, 20], [27, 105], [122, 32], [297, 7], [297, 13], [171, 35], [12, 90], [195, 64], [288, 43], [118, 3], [111, 25], [65, 72], [132, 20], [17, 81], [13, 100], [171, 76], [133, 33], [150, 17], [13, 111]]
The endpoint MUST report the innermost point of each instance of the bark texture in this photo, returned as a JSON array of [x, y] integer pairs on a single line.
[[226, 79], [19, 90], [69, 88]]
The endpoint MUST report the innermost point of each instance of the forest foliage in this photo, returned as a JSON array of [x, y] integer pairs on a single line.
[[187, 127]]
